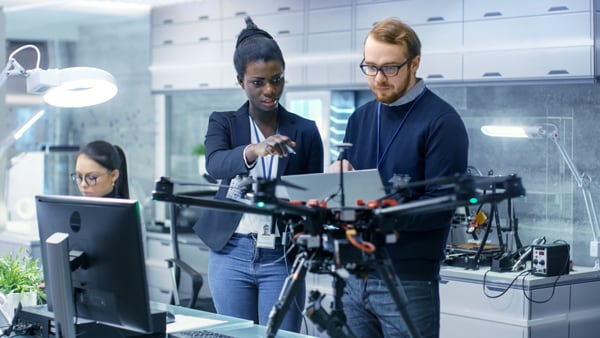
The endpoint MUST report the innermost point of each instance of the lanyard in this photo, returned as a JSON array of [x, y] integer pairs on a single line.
[[262, 159], [389, 145]]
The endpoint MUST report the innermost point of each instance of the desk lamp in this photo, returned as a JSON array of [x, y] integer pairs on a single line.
[[550, 131], [68, 88]]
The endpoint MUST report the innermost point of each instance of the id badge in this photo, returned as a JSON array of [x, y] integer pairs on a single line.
[[265, 238]]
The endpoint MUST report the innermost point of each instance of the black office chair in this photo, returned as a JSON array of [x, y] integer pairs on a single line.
[[183, 218]]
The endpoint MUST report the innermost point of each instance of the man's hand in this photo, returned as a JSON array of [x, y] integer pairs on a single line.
[[335, 166]]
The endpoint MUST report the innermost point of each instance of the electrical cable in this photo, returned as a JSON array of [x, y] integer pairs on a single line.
[[365, 246], [524, 274], [565, 266], [503, 291]]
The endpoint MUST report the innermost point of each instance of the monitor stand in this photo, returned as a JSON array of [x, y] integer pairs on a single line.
[[42, 324]]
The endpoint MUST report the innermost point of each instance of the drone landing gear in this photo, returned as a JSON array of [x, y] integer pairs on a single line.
[[334, 323]]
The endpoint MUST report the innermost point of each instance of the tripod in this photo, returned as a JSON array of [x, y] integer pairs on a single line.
[[334, 323]]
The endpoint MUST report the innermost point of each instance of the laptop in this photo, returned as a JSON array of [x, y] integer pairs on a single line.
[[358, 184]]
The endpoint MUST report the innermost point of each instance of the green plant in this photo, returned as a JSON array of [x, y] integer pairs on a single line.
[[19, 273], [199, 149]]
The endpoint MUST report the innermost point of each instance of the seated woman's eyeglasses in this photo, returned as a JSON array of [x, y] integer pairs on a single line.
[[388, 70], [90, 179]]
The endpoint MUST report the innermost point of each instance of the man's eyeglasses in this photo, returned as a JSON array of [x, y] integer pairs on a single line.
[[90, 179], [388, 71]]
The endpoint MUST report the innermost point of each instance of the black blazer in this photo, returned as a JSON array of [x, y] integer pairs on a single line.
[[227, 136]]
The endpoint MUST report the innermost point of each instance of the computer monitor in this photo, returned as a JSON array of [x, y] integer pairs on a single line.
[[109, 281]]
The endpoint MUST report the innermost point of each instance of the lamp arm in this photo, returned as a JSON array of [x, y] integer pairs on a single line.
[[12, 68], [583, 181]]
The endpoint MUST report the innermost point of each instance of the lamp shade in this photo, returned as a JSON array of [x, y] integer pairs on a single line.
[[72, 87]]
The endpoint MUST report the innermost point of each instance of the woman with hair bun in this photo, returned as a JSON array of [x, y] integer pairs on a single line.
[[248, 262]]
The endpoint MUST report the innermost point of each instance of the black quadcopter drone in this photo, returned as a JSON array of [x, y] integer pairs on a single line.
[[344, 240]]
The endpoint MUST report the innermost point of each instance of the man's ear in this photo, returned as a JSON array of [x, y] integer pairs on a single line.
[[415, 63], [240, 81]]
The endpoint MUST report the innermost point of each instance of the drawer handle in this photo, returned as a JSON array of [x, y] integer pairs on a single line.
[[203, 38], [165, 243], [492, 74], [167, 21], [492, 14], [203, 17], [167, 42], [435, 76], [168, 86], [558, 8], [166, 292], [435, 19], [282, 32], [240, 13], [558, 72], [284, 8], [203, 84]]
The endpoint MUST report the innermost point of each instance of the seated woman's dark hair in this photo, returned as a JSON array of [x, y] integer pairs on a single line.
[[111, 157], [254, 44]]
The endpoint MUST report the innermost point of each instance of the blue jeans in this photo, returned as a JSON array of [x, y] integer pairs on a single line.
[[246, 281], [371, 312]]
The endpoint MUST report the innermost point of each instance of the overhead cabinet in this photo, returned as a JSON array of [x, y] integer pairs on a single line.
[[512, 40], [463, 41]]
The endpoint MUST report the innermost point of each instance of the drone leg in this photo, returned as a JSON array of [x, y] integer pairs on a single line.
[[335, 323], [289, 290], [393, 284]]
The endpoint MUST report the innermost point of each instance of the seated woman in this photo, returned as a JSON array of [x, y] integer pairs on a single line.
[[101, 171]]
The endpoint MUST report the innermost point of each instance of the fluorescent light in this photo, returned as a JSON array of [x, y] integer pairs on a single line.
[[515, 131], [17, 135]]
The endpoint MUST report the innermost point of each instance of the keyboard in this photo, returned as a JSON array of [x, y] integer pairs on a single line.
[[198, 334]]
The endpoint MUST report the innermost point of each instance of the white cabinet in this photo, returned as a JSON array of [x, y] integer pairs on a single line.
[[441, 67], [182, 77], [160, 285], [191, 250], [279, 25], [186, 46], [413, 12], [322, 41], [540, 63], [189, 33], [493, 9], [509, 305], [510, 40], [186, 12], [255, 8], [330, 20], [572, 29]]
